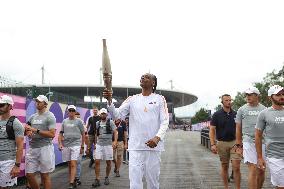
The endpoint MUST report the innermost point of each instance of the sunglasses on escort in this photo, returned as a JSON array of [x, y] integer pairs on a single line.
[[2, 105], [71, 110]]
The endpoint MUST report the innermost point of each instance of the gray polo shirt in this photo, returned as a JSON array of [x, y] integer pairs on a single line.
[[44, 122], [272, 121], [247, 116], [104, 139], [73, 130], [8, 147]]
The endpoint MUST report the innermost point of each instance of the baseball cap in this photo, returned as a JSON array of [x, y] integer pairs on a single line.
[[71, 107], [42, 98], [5, 99], [103, 111], [275, 89], [252, 90]]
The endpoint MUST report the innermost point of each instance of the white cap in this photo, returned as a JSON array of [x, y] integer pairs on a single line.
[[71, 107], [103, 110], [6, 100], [42, 98], [252, 90], [275, 89]]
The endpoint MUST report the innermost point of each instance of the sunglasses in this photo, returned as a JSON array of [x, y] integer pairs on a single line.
[[2, 105], [71, 110]]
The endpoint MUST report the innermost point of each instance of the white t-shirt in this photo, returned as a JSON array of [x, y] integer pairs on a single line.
[[148, 117]]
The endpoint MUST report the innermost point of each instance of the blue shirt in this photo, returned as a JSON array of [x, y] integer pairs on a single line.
[[121, 128]]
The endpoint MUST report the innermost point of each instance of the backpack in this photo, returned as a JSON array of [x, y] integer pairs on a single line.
[[9, 128], [108, 128]]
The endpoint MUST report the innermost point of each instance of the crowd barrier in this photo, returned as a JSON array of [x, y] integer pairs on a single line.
[[200, 126], [204, 135]]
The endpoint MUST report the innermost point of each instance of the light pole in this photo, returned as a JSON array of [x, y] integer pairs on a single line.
[[49, 94]]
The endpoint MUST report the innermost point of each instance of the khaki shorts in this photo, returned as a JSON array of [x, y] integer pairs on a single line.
[[119, 150], [91, 139], [226, 153]]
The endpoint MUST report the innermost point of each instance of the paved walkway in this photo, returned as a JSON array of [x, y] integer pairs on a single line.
[[185, 164]]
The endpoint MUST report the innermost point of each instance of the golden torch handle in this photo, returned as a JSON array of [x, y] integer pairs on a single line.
[[106, 67]]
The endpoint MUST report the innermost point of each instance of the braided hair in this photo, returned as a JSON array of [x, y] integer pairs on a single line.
[[155, 80]]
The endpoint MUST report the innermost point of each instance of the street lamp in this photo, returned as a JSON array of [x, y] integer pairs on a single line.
[[49, 94]]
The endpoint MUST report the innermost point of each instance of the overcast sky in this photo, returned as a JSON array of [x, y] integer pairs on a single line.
[[206, 47]]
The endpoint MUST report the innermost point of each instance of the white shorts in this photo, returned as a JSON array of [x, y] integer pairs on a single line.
[[5, 169], [249, 152], [71, 153], [103, 152], [276, 167], [40, 159], [144, 163]]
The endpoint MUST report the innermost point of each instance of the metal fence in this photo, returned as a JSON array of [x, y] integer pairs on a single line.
[[204, 136]]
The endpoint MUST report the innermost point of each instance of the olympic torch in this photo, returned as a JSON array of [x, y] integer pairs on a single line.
[[106, 68]]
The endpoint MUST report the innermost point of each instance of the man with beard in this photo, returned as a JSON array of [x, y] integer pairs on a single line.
[[148, 123], [104, 147], [223, 128], [272, 121], [40, 155], [11, 147], [245, 130]]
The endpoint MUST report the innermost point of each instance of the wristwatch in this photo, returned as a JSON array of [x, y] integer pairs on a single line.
[[17, 164], [37, 131]]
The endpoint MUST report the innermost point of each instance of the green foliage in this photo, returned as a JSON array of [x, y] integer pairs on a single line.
[[219, 107], [200, 116], [273, 78], [238, 101]]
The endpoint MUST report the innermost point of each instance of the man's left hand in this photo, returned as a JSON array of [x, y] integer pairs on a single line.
[[152, 143]]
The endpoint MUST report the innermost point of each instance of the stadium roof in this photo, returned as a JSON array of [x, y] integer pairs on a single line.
[[178, 98]]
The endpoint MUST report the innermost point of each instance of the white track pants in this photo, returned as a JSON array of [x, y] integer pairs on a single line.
[[144, 163]]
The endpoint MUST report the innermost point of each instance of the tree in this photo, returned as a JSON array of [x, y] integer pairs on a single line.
[[238, 101], [273, 78], [201, 116], [219, 107]]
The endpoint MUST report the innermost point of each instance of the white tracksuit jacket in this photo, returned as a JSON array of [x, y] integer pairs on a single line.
[[148, 117]]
